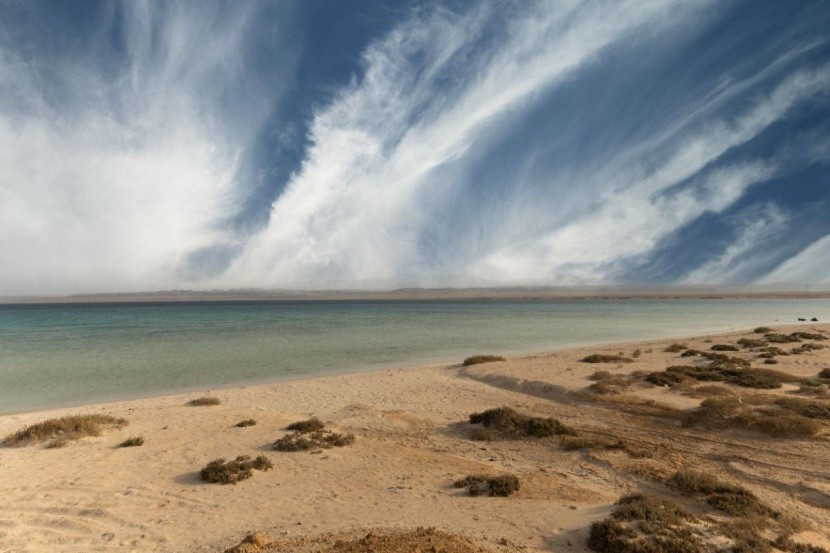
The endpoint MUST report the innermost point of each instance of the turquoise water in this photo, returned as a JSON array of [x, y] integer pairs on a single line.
[[54, 355]]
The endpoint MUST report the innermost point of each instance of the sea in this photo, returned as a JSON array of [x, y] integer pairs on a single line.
[[54, 355]]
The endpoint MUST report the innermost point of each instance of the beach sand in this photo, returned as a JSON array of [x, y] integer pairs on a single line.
[[412, 442]]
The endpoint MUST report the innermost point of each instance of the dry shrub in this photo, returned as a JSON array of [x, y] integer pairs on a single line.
[[645, 524], [808, 336], [307, 426], [805, 348], [763, 330], [230, 472], [204, 401], [603, 358], [725, 347], [245, 423], [825, 373], [636, 353], [676, 348], [611, 385], [732, 412], [477, 359], [739, 502], [691, 353], [689, 481], [132, 442], [776, 338], [509, 422], [814, 387], [751, 343], [321, 439], [805, 407], [420, 540], [600, 375], [717, 372], [575, 443], [770, 362], [64, 429], [493, 486], [775, 352]]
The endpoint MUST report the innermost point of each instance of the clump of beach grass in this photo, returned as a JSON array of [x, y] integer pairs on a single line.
[[230, 472], [492, 486], [645, 524], [763, 330], [747, 413], [577, 443], [676, 348], [751, 343], [306, 426], [510, 423], [204, 401], [245, 423], [720, 371], [135, 441], [824, 373], [478, 359], [725, 347], [64, 429], [605, 358], [311, 435], [805, 348]]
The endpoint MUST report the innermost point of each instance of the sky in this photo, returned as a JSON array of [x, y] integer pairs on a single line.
[[380, 144]]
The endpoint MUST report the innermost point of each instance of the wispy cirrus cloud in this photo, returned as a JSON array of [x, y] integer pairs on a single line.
[[558, 142]]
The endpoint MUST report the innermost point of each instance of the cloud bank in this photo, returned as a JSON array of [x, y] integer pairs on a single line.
[[507, 143]]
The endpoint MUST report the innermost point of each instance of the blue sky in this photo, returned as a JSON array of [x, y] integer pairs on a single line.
[[379, 144]]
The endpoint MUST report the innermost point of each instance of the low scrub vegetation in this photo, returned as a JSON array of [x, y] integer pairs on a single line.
[[805, 407], [825, 373], [604, 358], [763, 330], [493, 486], [306, 426], [676, 348], [731, 499], [806, 348], [509, 423], [204, 401], [714, 372], [645, 524], [64, 429], [776, 338], [320, 439], [607, 383], [757, 414], [230, 472], [636, 353], [808, 336], [576, 443], [751, 343], [477, 359], [245, 423], [725, 347], [135, 441]]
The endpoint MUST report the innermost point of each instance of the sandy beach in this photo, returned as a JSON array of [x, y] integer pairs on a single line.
[[413, 441]]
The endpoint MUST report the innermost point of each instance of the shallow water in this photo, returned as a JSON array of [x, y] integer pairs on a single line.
[[54, 355]]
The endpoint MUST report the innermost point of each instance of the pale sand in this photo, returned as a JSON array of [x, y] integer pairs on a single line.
[[94, 496]]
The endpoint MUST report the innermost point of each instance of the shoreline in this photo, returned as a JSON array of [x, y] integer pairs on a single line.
[[411, 444], [515, 353]]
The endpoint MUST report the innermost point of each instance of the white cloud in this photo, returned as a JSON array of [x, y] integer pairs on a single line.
[[811, 265], [107, 182], [354, 211]]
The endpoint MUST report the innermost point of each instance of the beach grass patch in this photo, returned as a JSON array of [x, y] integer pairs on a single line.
[[740, 413], [725, 347], [824, 373], [64, 429], [808, 336], [478, 359], [605, 358], [312, 441], [676, 348], [508, 422], [577, 443], [763, 330], [307, 426], [806, 348], [492, 486], [245, 423], [777, 338], [204, 401], [135, 441], [751, 343], [220, 471]]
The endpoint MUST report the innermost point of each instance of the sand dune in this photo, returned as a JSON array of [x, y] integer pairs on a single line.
[[412, 443]]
